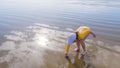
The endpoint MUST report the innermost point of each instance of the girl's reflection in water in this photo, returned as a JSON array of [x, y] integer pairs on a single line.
[[78, 62]]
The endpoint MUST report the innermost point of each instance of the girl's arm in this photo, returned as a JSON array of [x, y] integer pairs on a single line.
[[93, 34]]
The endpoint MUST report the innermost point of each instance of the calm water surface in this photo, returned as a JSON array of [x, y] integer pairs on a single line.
[[33, 33]]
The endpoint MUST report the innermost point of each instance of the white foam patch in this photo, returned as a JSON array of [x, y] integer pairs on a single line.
[[16, 36], [69, 29], [55, 27], [43, 25]]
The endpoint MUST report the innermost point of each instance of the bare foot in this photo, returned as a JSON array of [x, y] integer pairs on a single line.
[[76, 50], [83, 53]]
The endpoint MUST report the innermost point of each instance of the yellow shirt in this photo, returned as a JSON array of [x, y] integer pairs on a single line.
[[83, 31]]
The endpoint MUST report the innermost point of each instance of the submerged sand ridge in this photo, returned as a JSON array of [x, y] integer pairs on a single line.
[[42, 46]]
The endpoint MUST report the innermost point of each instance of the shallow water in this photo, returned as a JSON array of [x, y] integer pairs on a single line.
[[102, 16], [34, 33], [42, 46]]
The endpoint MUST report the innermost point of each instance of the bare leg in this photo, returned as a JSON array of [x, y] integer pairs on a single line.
[[83, 46], [77, 46], [78, 42]]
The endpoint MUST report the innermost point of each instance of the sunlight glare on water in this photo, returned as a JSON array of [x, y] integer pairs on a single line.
[[42, 40]]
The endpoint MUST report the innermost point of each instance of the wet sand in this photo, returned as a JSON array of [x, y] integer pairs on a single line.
[[43, 46]]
